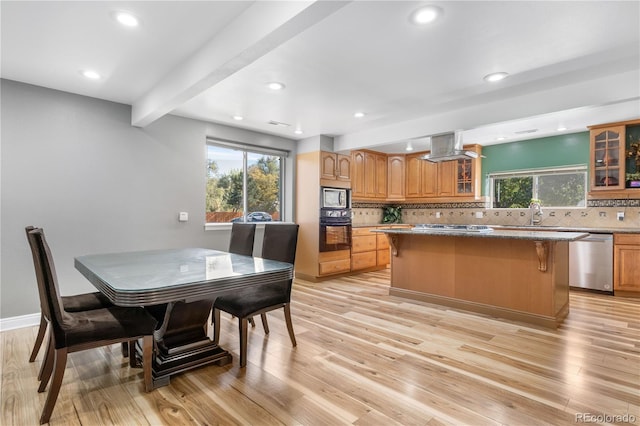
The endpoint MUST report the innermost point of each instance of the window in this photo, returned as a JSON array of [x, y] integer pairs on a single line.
[[565, 187], [244, 182]]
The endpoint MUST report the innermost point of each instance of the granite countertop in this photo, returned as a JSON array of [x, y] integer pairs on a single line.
[[532, 227], [496, 233]]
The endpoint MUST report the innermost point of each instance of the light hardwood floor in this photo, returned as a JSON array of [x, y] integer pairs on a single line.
[[363, 358]]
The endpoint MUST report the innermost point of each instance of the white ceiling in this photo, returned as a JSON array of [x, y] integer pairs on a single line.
[[571, 64]]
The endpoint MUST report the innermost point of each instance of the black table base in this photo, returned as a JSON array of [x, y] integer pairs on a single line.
[[182, 342]]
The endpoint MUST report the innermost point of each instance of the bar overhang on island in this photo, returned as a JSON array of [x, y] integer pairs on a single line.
[[516, 275]]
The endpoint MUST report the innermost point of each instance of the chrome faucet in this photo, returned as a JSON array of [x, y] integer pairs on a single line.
[[536, 212]]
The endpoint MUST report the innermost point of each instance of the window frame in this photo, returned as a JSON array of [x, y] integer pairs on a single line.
[[535, 174], [246, 149]]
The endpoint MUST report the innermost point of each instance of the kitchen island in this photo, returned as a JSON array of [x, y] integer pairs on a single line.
[[518, 275]]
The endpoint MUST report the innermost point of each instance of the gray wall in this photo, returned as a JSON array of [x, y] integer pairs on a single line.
[[76, 167]]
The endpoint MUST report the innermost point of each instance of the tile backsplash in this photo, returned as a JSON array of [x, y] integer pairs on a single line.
[[589, 217]]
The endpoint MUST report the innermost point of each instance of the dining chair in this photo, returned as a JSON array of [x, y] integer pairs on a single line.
[[75, 303], [77, 331], [279, 243]]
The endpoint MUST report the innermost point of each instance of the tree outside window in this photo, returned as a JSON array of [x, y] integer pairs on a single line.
[[228, 194], [554, 188]]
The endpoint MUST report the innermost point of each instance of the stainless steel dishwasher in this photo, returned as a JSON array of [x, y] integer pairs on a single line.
[[591, 263]]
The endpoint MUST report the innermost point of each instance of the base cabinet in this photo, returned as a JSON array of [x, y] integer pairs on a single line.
[[334, 262], [626, 258], [369, 250]]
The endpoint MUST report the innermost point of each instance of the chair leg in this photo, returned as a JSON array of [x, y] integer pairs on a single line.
[[287, 317], [60, 365], [131, 350], [243, 341], [47, 365], [125, 349], [216, 326], [48, 355], [252, 322], [265, 324], [147, 360], [39, 338]]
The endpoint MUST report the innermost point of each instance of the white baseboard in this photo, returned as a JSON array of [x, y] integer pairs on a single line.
[[19, 322]]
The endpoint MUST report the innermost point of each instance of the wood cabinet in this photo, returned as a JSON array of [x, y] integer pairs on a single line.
[[447, 179], [369, 250], [626, 258], [395, 177], [615, 160], [368, 175], [334, 262], [607, 158], [335, 167]]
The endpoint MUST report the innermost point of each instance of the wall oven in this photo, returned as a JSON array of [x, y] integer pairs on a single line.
[[335, 229]]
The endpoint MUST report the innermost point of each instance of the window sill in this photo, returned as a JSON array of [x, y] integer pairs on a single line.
[[227, 225]]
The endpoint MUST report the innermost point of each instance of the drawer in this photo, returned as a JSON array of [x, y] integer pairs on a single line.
[[329, 256], [363, 260], [632, 239], [383, 241], [335, 266], [364, 243], [384, 257], [362, 231]]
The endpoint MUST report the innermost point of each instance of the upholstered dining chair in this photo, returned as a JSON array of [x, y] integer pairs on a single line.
[[76, 303], [279, 243], [77, 331]]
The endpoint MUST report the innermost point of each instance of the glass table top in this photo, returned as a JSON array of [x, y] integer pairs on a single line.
[[159, 276]]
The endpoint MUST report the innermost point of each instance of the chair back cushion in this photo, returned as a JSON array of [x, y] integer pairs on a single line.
[[242, 236], [37, 266], [280, 242], [49, 284]]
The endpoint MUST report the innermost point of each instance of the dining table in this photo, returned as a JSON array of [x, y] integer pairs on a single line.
[[178, 287]]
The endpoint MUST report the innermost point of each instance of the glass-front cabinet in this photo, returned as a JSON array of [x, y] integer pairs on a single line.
[[615, 158], [464, 177], [632, 157], [607, 154]]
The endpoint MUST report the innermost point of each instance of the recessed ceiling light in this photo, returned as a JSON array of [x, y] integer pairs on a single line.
[[561, 129], [500, 138], [297, 132], [238, 117], [274, 85], [425, 15], [496, 76], [90, 74], [126, 19], [359, 114]]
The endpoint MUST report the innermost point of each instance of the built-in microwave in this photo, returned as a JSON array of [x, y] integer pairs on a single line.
[[334, 198]]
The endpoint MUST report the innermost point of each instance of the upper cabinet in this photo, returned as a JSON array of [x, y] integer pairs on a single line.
[[368, 175], [425, 179], [615, 158], [607, 154], [335, 169], [395, 177]]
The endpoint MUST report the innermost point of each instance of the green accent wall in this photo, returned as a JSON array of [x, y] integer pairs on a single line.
[[555, 151]]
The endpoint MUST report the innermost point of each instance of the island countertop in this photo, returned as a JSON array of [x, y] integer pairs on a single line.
[[496, 233]]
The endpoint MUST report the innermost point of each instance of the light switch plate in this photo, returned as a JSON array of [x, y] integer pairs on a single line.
[[183, 216]]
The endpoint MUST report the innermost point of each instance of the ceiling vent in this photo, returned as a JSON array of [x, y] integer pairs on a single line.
[[279, 123]]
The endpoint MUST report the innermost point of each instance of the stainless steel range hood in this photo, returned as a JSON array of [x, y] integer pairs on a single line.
[[448, 147]]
